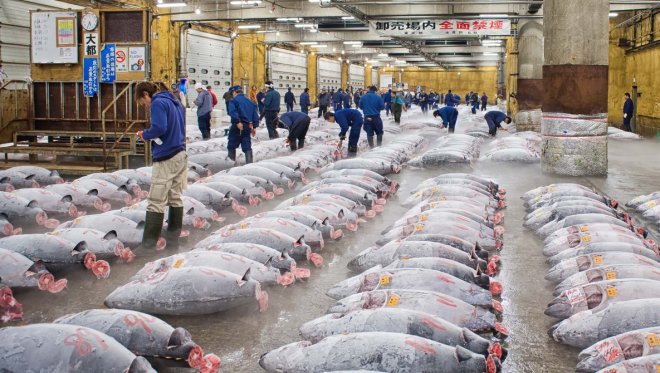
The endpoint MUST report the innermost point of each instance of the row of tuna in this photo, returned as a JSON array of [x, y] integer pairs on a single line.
[[100, 340], [648, 205], [450, 149], [228, 268], [522, 147], [607, 274], [421, 300]]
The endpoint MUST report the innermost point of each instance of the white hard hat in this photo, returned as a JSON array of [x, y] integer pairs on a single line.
[[199, 85]]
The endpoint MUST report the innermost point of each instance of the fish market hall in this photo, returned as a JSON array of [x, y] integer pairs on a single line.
[[307, 186]]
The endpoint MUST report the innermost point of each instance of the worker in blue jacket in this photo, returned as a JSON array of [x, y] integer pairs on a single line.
[[628, 110], [271, 108], [244, 121], [449, 115], [305, 102], [346, 97], [337, 99], [449, 98], [371, 105], [297, 124], [387, 98], [347, 118], [289, 99], [494, 119]]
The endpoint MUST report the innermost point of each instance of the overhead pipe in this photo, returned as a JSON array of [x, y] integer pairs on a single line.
[[183, 50]]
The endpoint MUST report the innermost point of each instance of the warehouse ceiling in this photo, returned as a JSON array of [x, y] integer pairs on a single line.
[[347, 29]]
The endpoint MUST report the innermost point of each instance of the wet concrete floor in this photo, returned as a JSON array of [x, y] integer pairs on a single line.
[[240, 336]]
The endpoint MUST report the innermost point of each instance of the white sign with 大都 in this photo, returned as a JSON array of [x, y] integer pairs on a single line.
[[444, 27]]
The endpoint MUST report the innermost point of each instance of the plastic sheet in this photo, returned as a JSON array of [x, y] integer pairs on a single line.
[[574, 156], [562, 124]]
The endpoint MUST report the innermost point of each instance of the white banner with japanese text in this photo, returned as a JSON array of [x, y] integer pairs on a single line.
[[439, 28]]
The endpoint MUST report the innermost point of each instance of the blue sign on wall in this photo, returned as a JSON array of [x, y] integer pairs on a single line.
[[90, 76], [108, 63]]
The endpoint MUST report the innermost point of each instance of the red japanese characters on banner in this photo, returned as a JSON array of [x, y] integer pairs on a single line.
[[435, 28]]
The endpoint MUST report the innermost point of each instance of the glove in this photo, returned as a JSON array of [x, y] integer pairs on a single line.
[[239, 125], [342, 137], [139, 134], [625, 115]]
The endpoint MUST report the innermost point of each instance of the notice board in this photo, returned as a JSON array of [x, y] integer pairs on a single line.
[[54, 37]]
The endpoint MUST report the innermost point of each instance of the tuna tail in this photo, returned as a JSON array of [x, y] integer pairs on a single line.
[[179, 337], [111, 235], [482, 280], [463, 354], [481, 253]]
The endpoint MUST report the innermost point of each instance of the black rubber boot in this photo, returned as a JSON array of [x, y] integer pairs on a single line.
[[301, 143], [292, 144], [379, 140], [248, 157], [370, 140], [352, 151], [232, 154], [174, 225], [152, 227]]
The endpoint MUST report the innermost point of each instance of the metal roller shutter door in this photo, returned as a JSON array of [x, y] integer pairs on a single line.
[[329, 74], [356, 76], [288, 69], [209, 61], [374, 78]]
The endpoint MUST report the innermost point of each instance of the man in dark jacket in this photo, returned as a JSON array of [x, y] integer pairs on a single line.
[[449, 98], [305, 102], [260, 103], [484, 101], [371, 105], [424, 102], [170, 162], [204, 103], [494, 119], [337, 99], [449, 115], [297, 124], [387, 99], [324, 101], [474, 100], [289, 100], [271, 108], [244, 121], [628, 110], [346, 98], [347, 118], [356, 97]]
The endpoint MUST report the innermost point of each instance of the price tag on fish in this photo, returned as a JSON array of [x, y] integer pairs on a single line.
[[650, 204], [584, 228], [575, 295], [598, 260], [653, 340], [423, 217], [611, 291], [385, 279], [419, 227], [586, 238], [178, 263], [610, 275], [245, 225], [393, 300]]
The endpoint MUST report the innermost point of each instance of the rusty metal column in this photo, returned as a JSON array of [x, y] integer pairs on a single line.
[[574, 124], [530, 76]]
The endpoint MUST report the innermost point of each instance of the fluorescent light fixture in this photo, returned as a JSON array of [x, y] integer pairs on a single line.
[[491, 41], [352, 42], [334, 49], [289, 19], [266, 31], [319, 46], [348, 61], [493, 15], [347, 18], [160, 1], [491, 54], [245, 2], [313, 30], [612, 15], [382, 55], [171, 5], [356, 45], [277, 33], [314, 1], [304, 25], [308, 42], [198, 11], [249, 26]]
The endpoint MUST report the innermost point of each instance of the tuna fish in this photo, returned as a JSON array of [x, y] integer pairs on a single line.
[[239, 194], [55, 252], [65, 348], [10, 309], [128, 232], [103, 245], [108, 191], [589, 228], [448, 191], [601, 247], [339, 215], [188, 291], [214, 161], [143, 179], [394, 186], [571, 266], [544, 215], [306, 219], [380, 167], [413, 278], [600, 295], [17, 271], [51, 202], [80, 196], [291, 173], [344, 202], [241, 183], [17, 210], [584, 197], [277, 178], [613, 272], [364, 182], [620, 348], [552, 188], [42, 175], [586, 328], [289, 227], [580, 219], [352, 192], [119, 181], [264, 273], [640, 364], [145, 335], [216, 200], [18, 179], [376, 350], [447, 224], [7, 228], [399, 320]]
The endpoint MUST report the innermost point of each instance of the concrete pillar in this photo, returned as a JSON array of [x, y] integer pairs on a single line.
[[344, 75], [312, 83], [367, 76], [574, 125], [529, 94]]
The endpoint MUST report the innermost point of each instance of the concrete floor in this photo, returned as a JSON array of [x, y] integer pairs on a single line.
[[240, 336]]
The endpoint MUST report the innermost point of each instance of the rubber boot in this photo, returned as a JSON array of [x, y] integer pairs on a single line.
[[379, 140], [152, 227], [232, 154], [370, 140], [248, 157], [174, 225], [352, 151], [301, 143], [292, 144]]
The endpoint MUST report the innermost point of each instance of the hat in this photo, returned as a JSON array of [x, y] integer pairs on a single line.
[[199, 85], [235, 88]]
